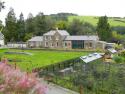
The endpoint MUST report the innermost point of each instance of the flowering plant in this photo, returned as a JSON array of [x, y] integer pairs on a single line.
[[14, 81]]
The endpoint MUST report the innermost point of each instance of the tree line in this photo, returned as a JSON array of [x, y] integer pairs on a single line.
[[16, 30], [20, 30]]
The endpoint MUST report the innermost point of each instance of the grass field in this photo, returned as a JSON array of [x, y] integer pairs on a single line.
[[93, 20], [39, 58]]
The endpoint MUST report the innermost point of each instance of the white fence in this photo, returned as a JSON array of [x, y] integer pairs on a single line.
[[17, 45]]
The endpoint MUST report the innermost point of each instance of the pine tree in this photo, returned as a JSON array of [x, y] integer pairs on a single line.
[[10, 27], [21, 28], [30, 27], [40, 24], [103, 29]]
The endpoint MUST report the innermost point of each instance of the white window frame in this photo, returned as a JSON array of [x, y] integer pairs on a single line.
[[50, 37]]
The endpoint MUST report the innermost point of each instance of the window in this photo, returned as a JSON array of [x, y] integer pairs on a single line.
[[65, 44], [46, 37], [51, 44], [46, 44], [90, 44], [57, 37], [68, 44], [50, 37]]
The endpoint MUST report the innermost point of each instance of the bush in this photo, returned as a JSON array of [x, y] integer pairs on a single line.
[[118, 59], [122, 54]]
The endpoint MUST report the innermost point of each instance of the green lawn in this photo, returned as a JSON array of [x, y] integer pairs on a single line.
[[94, 19], [40, 58]]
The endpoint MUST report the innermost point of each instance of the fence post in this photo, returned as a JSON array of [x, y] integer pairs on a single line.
[[81, 89]]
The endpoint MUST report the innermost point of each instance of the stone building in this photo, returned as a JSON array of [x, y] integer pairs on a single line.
[[36, 41], [62, 39]]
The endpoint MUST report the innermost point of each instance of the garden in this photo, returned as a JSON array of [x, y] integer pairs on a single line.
[[97, 77], [16, 75], [68, 70], [37, 58]]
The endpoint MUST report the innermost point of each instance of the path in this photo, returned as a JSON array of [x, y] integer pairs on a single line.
[[55, 89]]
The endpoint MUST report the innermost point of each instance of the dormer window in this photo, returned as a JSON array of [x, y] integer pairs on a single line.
[[50, 37], [57, 37]]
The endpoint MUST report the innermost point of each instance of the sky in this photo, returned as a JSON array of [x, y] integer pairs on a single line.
[[113, 8]]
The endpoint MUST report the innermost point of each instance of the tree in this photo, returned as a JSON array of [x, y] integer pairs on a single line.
[[21, 28], [2, 5], [10, 31], [77, 27], [87, 29], [40, 24], [61, 25], [30, 26], [1, 25], [103, 29]]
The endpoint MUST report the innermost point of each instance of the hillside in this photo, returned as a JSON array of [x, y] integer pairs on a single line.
[[114, 21]]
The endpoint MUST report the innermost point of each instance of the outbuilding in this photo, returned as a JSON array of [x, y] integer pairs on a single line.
[[36, 41]]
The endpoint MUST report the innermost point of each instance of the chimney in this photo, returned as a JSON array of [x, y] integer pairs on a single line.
[[57, 28]]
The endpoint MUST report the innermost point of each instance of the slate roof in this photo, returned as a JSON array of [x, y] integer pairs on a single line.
[[61, 32], [36, 38], [1, 36], [91, 37]]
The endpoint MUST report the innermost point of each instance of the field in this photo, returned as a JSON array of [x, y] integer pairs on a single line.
[[94, 19], [39, 58]]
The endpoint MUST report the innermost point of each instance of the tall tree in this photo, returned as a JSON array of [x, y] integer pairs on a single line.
[[10, 26], [40, 24], [2, 5], [103, 29], [77, 27], [30, 26], [21, 28]]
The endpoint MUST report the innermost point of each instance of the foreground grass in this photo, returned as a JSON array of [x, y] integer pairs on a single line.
[[39, 58]]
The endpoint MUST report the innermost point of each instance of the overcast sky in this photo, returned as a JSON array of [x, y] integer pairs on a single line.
[[80, 7]]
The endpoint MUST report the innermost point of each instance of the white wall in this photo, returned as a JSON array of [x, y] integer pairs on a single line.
[[1, 42], [16, 45]]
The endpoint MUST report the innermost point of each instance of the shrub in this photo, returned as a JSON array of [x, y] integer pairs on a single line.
[[118, 59], [122, 53]]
